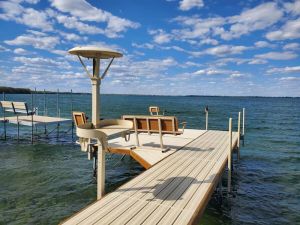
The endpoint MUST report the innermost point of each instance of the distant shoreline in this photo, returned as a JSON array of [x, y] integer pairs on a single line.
[[11, 90]]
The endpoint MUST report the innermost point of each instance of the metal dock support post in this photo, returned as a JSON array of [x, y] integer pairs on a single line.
[[136, 132], [206, 118], [18, 128], [244, 126], [4, 122], [239, 136], [72, 129], [100, 172], [229, 156], [57, 103], [45, 111], [31, 118]]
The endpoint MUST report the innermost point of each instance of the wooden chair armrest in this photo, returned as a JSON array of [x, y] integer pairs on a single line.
[[183, 126]]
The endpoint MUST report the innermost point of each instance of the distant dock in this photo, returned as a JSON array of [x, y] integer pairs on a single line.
[[175, 190]]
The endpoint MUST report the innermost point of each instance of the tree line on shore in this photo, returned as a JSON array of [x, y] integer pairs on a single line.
[[11, 90]]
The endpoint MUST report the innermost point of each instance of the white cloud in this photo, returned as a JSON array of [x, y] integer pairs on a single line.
[[293, 69], [237, 76], [30, 17], [74, 23], [293, 7], [213, 71], [42, 62], [263, 44], [86, 12], [189, 4], [31, 1], [257, 18], [160, 36], [277, 55], [291, 30], [72, 36], [39, 42], [80, 9], [195, 27], [4, 49], [257, 61], [289, 79], [223, 50], [291, 46], [209, 41], [21, 51], [145, 45], [141, 70]]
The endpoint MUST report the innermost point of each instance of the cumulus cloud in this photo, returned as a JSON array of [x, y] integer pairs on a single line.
[[263, 44], [189, 4], [290, 30], [84, 11], [291, 46], [4, 49], [21, 51], [130, 70], [289, 79], [39, 42], [144, 45], [71, 22], [160, 36], [257, 61], [237, 75], [222, 50], [288, 69], [293, 7], [195, 27], [214, 71], [40, 62], [13, 11], [277, 55], [72, 36], [257, 18]]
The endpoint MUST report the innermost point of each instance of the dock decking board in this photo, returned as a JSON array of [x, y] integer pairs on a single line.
[[172, 191]]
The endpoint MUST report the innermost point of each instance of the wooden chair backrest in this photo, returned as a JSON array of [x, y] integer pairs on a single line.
[[20, 107], [6, 104], [79, 118], [15, 107], [150, 124], [154, 110]]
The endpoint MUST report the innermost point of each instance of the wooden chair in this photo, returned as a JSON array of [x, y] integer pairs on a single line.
[[79, 118], [154, 110], [155, 124]]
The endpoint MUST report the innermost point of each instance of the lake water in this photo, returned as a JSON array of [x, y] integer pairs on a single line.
[[50, 180]]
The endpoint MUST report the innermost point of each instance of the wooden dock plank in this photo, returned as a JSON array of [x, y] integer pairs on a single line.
[[172, 191]]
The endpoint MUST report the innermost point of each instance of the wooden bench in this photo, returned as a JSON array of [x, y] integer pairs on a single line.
[[155, 124]]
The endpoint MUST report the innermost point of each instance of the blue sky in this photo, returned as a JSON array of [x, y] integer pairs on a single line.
[[185, 47]]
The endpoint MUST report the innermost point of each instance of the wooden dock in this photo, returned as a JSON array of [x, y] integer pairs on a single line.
[[176, 190]]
